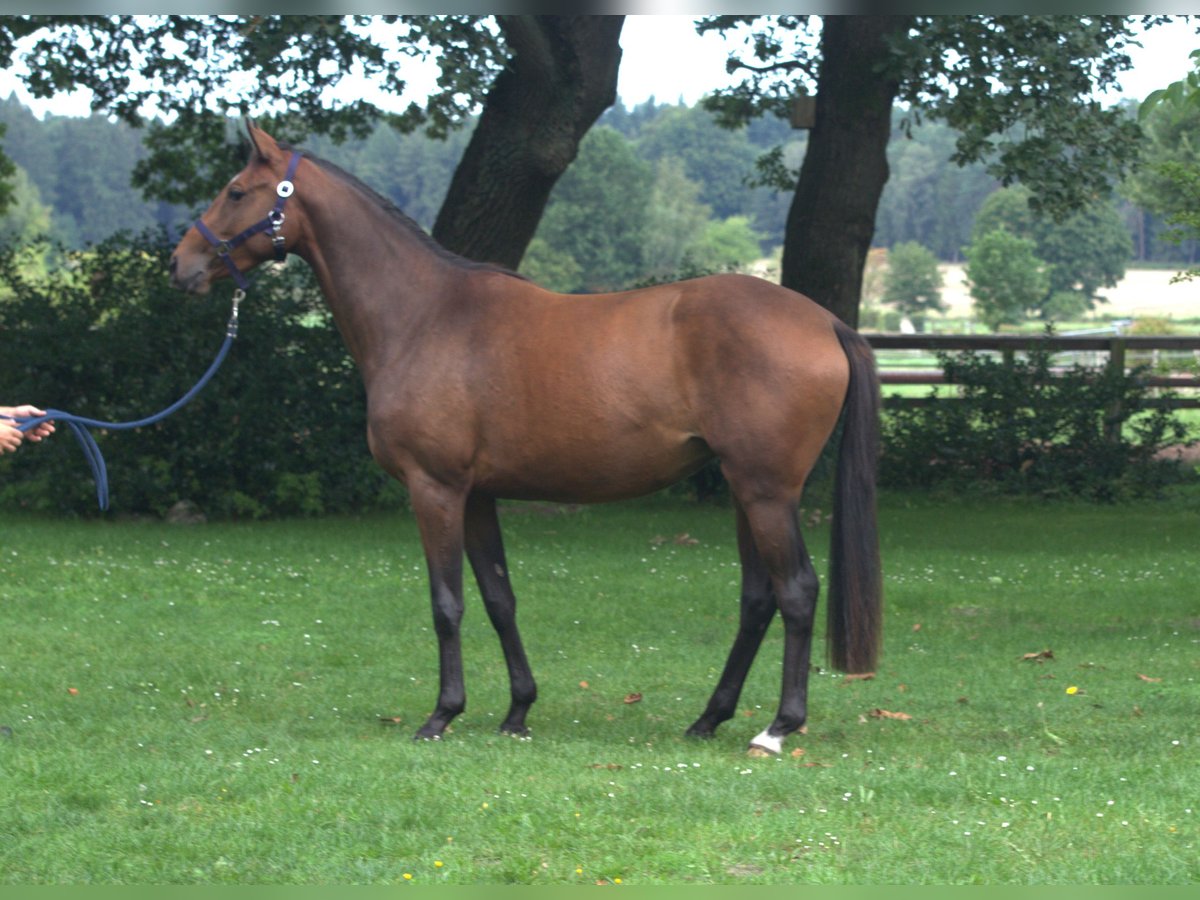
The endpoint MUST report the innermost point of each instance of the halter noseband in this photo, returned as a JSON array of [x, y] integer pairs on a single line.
[[271, 225]]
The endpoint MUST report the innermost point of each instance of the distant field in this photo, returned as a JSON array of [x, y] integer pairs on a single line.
[[1143, 292]]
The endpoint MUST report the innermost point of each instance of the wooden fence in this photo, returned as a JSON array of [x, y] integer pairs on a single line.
[[1116, 350]]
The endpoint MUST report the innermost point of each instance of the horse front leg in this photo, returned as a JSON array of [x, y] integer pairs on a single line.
[[439, 513], [485, 550]]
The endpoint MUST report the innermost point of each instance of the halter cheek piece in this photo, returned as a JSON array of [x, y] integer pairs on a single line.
[[271, 225]]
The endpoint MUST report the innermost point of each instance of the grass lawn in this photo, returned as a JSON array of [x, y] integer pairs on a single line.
[[234, 703]]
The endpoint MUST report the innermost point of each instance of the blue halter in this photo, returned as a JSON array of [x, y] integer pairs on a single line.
[[80, 424]]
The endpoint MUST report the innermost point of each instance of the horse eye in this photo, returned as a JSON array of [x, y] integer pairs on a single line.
[[236, 194]]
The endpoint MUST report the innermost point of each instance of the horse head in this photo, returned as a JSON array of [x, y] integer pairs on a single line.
[[245, 225]]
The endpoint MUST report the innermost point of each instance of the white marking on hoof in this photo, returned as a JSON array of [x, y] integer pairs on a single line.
[[767, 742]]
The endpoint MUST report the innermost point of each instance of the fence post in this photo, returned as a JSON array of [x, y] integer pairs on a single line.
[[1116, 366]]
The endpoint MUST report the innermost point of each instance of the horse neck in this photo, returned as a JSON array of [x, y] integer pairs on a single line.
[[381, 280]]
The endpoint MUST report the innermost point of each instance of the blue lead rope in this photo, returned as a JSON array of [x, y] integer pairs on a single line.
[[81, 424]]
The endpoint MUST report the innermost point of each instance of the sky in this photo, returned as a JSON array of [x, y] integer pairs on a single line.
[[664, 58]]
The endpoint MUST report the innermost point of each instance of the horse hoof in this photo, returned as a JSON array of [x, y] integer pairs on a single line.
[[765, 745]]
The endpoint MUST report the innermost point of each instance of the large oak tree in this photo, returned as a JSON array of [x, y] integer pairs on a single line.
[[1020, 90], [539, 81]]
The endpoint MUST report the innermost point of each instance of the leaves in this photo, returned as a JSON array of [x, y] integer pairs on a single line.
[[1040, 656], [888, 714], [1006, 277], [679, 540], [597, 215], [1177, 94], [912, 281], [861, 676], [1020, 90], [286, 63]]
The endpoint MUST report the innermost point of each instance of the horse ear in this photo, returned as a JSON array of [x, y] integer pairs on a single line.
[[263, 144], [252, 133]]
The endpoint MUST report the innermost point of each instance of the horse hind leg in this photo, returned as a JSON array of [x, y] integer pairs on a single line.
[[485, 551], [776, 532], [756, 612]]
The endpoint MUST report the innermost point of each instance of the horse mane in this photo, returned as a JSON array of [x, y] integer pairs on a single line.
[[402, 218]]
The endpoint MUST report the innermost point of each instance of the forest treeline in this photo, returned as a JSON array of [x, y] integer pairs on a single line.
[[657, 190]]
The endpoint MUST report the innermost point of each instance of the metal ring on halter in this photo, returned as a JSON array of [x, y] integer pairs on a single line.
[[231, 327]]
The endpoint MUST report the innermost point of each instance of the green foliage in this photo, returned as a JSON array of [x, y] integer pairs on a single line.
[[1179, 94], [7, 170], [553, 269], [727, 245], [1185, 218], [278, 431], [675, 218], [718, 159], [1021, 427], [925, 200], [1064, 306], [1006, 277], [26, 217], [1083, 252], [722, 162], [411, 169], [1017, 90], [1167, 181], [1170, 130], [81, 169], [287, 63], [912, 282], [597, 213], [1007, 208], [89, 190], [615, 220]]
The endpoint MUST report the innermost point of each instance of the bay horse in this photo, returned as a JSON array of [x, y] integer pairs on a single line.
[[482, 385]]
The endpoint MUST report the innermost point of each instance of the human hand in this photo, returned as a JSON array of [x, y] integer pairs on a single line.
[[11, 437]]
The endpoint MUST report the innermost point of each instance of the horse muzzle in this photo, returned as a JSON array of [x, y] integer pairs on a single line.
[[192, 276]]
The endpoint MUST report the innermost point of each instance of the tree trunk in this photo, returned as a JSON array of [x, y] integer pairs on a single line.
[[832, 216], [562, 75]]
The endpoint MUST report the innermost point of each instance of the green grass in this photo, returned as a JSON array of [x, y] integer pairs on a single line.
[[203, 705]]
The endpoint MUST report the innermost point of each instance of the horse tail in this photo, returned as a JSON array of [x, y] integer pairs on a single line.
[[855, 602]]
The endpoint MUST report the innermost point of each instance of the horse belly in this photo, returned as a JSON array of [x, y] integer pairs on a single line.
[[587, 467]]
